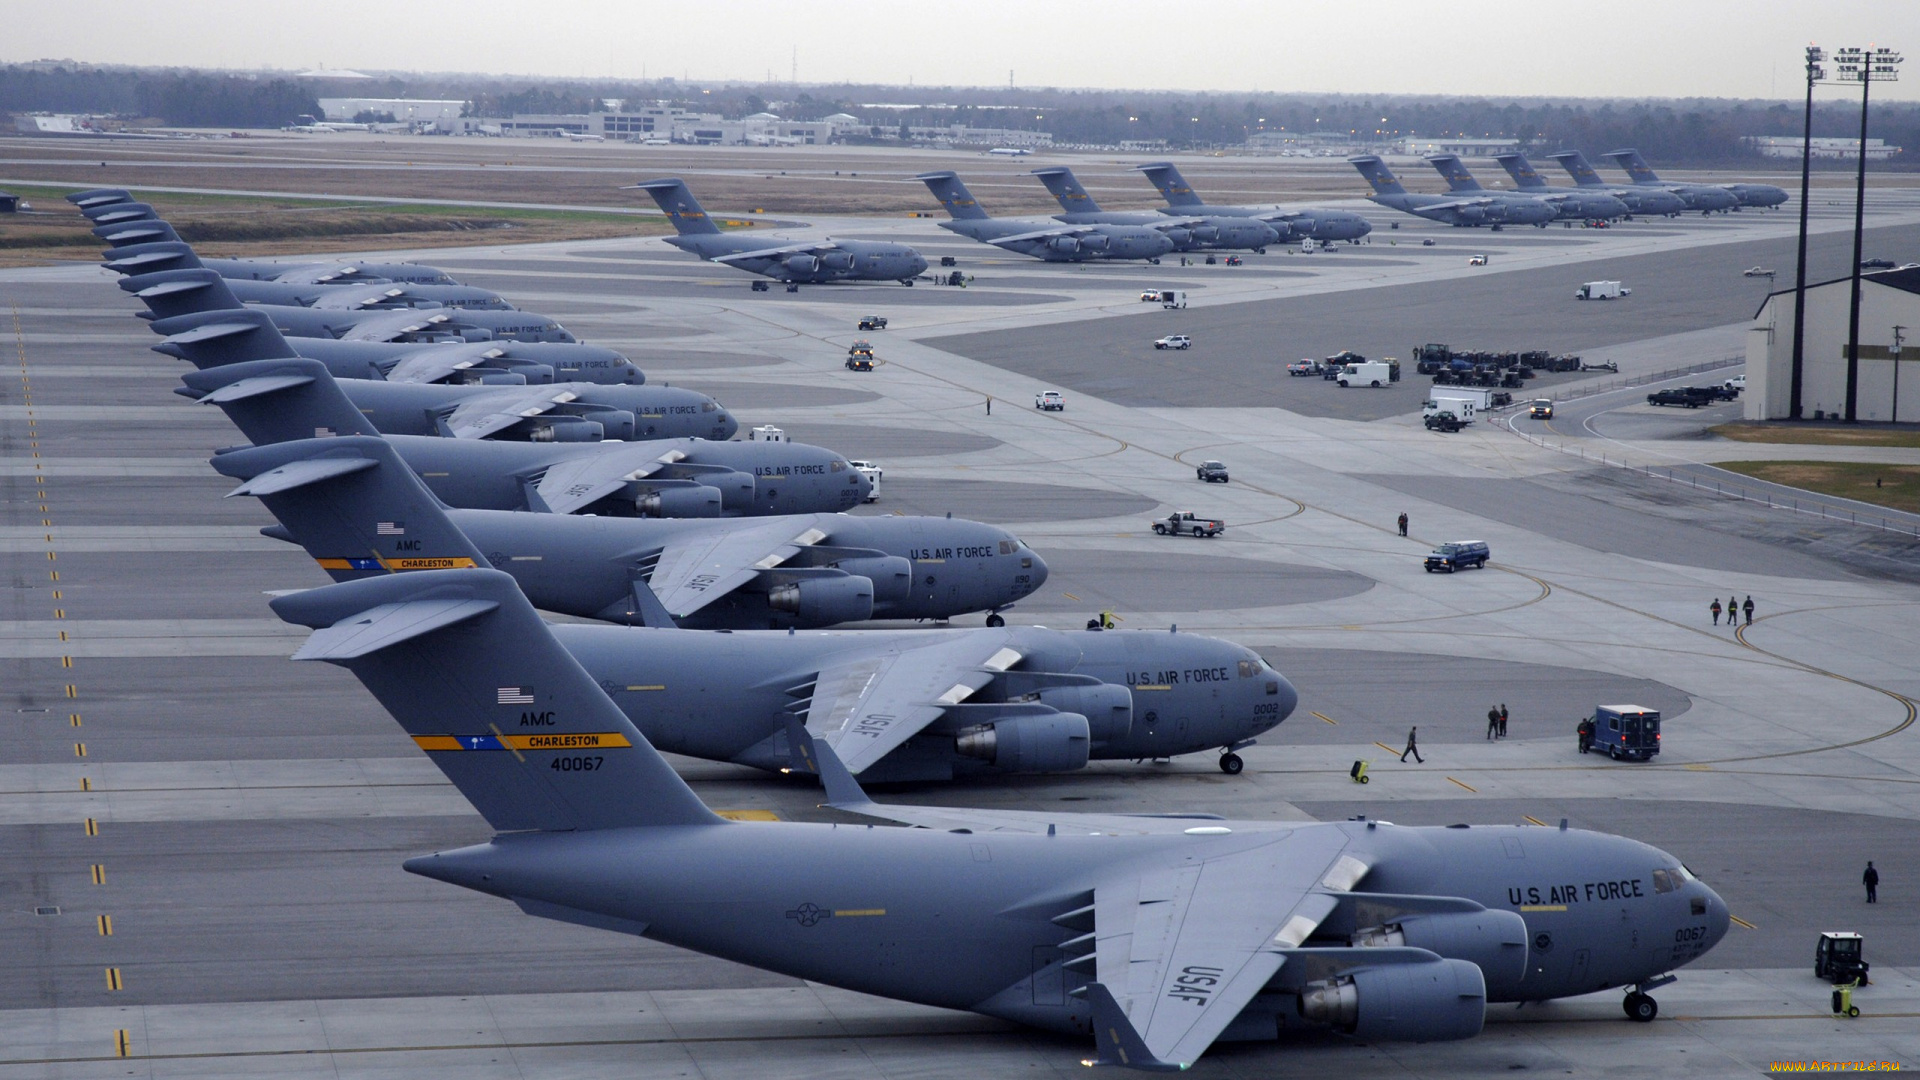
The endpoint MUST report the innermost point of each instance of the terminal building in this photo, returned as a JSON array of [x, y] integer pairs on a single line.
[[1889, 299], [1788, 146]]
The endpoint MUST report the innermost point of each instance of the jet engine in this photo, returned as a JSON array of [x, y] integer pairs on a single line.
[[501, 378], [892, 576], [1182, 238], [564, 429], [822, 601], [1056, 742], [1436, 1001], [614, 423], [1095, 242], [1493, 941], [803, 264], [1108, 707], [693, 501], [476, 333], [1065, 245], [1206, 234], [838, 261]]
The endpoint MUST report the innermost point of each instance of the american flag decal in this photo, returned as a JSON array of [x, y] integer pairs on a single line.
[[516, 695], [324, 433], [390, 528]]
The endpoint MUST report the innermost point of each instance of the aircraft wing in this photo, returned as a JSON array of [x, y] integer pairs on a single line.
[[1457, 204], [435, 362], [576, 482], [394, 325], [866, 708], [708, 564], [355, 299], [776, 252], [1042, 234], [1182, 949], [490, 414]]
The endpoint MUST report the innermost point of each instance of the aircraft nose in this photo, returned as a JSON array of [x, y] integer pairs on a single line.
[[919, 265], [725, 426], [1288, 699], [1037, 576], [1719, 917]]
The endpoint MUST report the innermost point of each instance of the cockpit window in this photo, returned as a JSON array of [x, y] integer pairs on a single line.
[[836, 466], [1249, 669], [1667, 880]]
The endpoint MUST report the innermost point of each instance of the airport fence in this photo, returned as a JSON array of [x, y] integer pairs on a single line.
[[1648, 379]]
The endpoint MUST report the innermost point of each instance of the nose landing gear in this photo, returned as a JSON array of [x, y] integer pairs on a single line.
[[1639, 1005]]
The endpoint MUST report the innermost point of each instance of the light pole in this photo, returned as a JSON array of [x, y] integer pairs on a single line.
[[1866, 68], [1815, 73], [1898, 332]]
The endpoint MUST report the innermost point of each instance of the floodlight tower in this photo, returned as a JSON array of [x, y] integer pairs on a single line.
[[1815, 73], [1866, 67]]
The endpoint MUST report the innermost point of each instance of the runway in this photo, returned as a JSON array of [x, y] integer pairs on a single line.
[[242, 820]]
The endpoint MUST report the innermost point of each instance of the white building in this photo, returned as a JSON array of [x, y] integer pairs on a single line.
[[404, 110], [1788, 146], [962, 135], [1462, 145], [1888, 299]]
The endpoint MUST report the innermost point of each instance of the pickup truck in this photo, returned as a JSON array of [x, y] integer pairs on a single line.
[[1187, 523], [860, 361], [873, 322], [1305, 367], [1674, 397], [1051, 401], [1444, 421]]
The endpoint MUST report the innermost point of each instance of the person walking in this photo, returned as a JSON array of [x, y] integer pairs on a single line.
[[1493, 724], [989, 404], [1413, 747], [1733, 611], [1403, 524], [1871, 879], [1715, 608], [1748, 608], [1503, 719]]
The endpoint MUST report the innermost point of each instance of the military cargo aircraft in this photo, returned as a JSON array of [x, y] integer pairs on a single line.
[[183, 292], [358, 510], [1706, 198], [1457, 210], [927, 705], [1198, 232], [800, 263], [1052, 243], [1158, 936], [209, 339], [138, 230], [1573, 205], [178, 255], [274, 401], [1640, 199], [1292, 223]]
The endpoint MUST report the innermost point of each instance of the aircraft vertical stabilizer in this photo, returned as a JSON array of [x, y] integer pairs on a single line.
[[467, 667], [1522, 171], [953, 195], [276, 401], [680, 206], [1377, 174], [1634, 165], [1066, 188], [1172, 186], [1450, 167], [1576, 165]]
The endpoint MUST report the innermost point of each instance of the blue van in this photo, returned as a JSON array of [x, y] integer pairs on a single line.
[[1622, 732]]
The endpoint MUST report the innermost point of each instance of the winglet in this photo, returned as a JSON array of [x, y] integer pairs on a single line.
[[843, 791], [1119, 1044]]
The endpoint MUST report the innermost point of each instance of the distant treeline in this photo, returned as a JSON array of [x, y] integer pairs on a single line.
[[1703, 131], [176, 97]]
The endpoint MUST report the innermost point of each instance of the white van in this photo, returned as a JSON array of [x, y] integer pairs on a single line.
[[1370, 373]]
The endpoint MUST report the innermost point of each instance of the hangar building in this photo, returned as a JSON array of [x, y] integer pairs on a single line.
[[1888, 299]]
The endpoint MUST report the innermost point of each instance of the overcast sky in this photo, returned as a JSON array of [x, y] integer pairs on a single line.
[[1527, 48]]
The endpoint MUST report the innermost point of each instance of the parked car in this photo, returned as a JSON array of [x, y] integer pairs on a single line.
[[1674, 397], [1876, 264], [1050, 401], [1213, 472], [1758, 271], [1174, 341], [1477, 260], [1736, 384]]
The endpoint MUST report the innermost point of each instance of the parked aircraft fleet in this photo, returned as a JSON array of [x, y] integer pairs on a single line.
[[454, 463]]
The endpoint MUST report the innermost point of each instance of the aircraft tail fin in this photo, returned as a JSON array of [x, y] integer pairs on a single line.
[[1377, 174], [947, 187], [471, 672], [1522, 171], [353, 504], [681, 208], [276, 401], [168, 293], [1066, 188], [1634, 166], [1454, 171], [149, 258], [1576, 165], [1172, 186]]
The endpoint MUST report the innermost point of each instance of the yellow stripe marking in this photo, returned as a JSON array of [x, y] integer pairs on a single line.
[[66, 661], [593, 740], [104, 923], [1385, 747], [1327, 718], [748, 815], [1155, 686], [113, 979], [74, 719], [120, 1041], [1543, 907], [86, 784], [99, 874], [93, 827], [461, 563], [79, 749], [657, 686], [1468, 786], [1069, 596], [1743, 922], [854, 913], [73, 691], [1698, 768], [1535, 820]]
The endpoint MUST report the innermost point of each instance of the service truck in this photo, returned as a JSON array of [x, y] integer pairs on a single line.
[[1460, 403], [1368, 373], [1173, 298], [1601, 290]]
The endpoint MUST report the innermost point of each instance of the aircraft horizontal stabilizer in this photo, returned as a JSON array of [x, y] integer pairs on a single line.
[[387, 625], [299, 474]]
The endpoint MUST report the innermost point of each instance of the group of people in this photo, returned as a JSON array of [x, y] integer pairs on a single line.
[[1733, 610], [1497, 723]]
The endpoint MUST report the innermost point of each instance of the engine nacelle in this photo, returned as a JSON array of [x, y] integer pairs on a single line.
[[892, 576], [535, 374], [1108, 708], [1058, 742], [502, 378], [1065, 245], [1096, 242], [837, 260], [1493, 941], [803, 264], [476, 333], [1432, 1002], [614, 423], [565, 429], [1182, 238], [823, 601], [1206, 234], [680, 502]]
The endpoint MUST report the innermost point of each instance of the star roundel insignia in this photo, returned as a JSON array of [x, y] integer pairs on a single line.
[[809, 914]]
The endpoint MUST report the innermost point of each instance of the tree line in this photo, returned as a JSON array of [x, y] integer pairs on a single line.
[[177, 97]]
